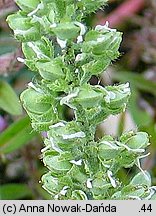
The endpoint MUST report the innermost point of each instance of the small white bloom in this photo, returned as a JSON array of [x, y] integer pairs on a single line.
[[79, 57], [64, 190], [20, 59], [110, 145], [59, 124], [62, 43], [89, 184], [45, 149], [66, 99], [82, 27], [21, 32], [113, 182], [110, 96], [78, 163], [79, 39], [77, 70], [74, 135], [100, 39], [104, 27], [53, 25], [34, 87]]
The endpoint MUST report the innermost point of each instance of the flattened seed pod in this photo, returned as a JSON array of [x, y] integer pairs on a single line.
[[108, 150], [32, 101], [57, 165], [100, 188], [117, 96], [37, 50], [50, 70], [28, 5], [141, 178], [22, 27], [50, 183], [66, 31], [88, 97], [138, 141]]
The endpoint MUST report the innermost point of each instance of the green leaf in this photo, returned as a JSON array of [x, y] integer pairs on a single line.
[[8, 99], [17, 135], [14, 191]]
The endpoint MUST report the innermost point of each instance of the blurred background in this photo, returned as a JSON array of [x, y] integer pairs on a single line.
[[20, 163]]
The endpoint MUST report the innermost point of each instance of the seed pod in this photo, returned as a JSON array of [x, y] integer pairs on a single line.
[[41, 49], [39, 108], [23, 29], [50, 70], [99, 188], [117, 96], [88, 97], [66, 135], [27, 5], [130, 192], [37, 50], [56, 164], [138, 140], [108, 149], [50, 183], [32, 101], [141, 178], [127, 159], [96, 67], [99, 44], [66, 31]]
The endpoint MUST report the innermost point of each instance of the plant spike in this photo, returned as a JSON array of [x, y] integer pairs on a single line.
[[65, 54]]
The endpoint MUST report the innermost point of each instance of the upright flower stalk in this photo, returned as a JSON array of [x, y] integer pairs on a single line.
[[65, 54]]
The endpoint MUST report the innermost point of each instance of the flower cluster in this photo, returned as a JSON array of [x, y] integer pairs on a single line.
[[65, 54]]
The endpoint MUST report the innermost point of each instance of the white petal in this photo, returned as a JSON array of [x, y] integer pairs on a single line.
[[89, 184], [78, 163], [64, 190], [113, 182], [74, 135], [20, 59], [59, 124], [40, 6], [62, 43]]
